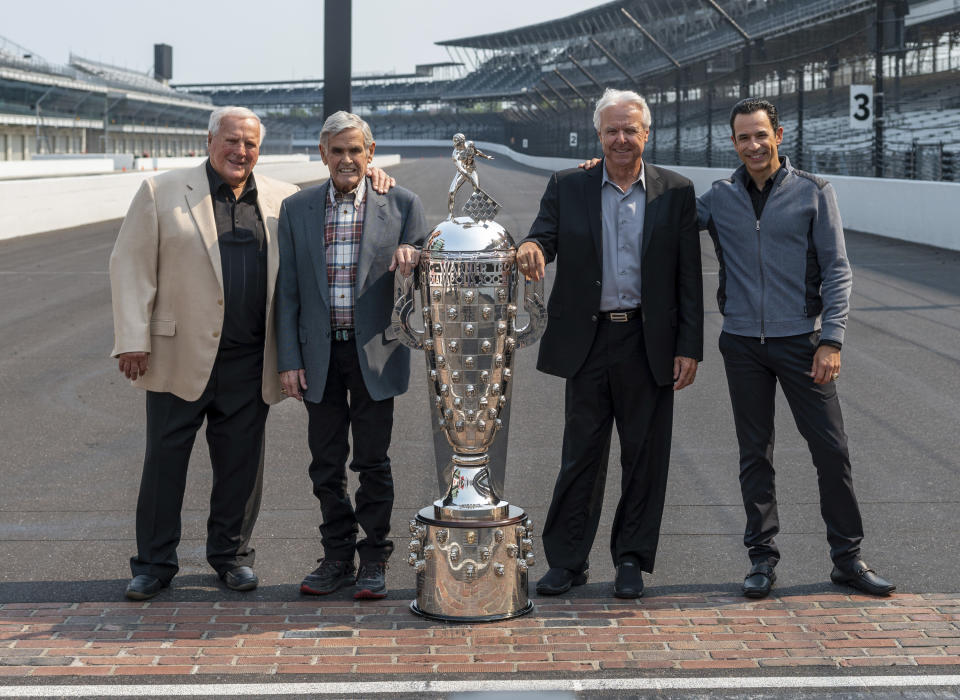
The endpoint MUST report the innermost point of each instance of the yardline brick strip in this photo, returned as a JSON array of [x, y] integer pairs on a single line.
[[699, 633]]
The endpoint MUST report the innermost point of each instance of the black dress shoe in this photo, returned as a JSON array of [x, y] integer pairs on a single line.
[[759, 581], [240, 578], [144, 586], [557, 580], [629, 581], [860, 576]]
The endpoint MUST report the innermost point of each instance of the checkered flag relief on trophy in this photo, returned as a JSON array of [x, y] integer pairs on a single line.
[[481, 207]]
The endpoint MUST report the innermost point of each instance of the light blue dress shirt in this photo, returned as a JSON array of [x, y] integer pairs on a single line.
[[622, 214]]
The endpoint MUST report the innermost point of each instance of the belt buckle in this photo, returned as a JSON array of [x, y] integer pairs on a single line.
[[619, 316], [342, 334]]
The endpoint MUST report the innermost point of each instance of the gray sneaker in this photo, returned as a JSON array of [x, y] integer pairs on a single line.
[[371, 580], [330, 576]]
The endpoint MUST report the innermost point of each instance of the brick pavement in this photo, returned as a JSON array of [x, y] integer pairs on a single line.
[[586, 636]]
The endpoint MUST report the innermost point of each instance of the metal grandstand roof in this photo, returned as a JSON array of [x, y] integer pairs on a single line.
[[609, 17]]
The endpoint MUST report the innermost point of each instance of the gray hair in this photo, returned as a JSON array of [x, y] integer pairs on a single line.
[[611, 97], [339, 121], [217, 115]]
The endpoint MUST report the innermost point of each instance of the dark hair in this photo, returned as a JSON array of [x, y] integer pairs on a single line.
[[755, 104]]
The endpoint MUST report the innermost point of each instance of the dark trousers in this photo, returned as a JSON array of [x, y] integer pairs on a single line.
[[236, 414], [347, 405], [753, 370], [614, 385]]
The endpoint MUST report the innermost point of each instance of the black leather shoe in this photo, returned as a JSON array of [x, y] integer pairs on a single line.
[[240, 578], [759, 581], [860, 576], [557, 580], [330, 576], [371, 580], [629, 581], [144, 586]]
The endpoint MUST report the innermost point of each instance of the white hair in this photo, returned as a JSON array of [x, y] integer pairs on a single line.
[[217, 115], [611, 97], [340, 121]]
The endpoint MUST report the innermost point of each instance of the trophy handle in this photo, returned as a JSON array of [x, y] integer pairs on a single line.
[[535, 308], [402, 308]]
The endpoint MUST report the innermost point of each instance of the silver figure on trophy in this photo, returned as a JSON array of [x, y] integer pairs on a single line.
[[471, 549]]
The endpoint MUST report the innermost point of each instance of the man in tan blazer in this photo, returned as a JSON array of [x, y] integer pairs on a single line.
[[192, 275]]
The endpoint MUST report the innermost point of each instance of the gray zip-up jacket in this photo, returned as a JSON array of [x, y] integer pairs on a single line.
[[786, 273]]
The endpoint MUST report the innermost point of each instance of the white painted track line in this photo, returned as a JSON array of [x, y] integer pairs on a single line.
[[518, 686]]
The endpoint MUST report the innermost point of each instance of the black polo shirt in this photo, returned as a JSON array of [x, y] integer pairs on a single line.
[[759, 196], [243, 257]]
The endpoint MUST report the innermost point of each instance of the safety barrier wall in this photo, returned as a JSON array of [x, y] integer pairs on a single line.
[[13, 169], [49, 204], [918, 211]]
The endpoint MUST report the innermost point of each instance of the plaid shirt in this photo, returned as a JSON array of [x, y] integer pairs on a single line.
[[342, 230]]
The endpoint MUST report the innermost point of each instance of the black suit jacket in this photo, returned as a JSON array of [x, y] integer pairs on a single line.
[[568, 229]]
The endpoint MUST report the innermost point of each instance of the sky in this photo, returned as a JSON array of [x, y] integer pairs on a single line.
[[245, 40]]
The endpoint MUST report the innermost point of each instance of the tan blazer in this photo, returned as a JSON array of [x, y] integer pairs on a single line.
[[167, 282]]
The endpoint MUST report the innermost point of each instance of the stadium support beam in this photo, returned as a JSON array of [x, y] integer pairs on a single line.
[[519, 112], [584, 71], [571, 86], [878, 94], [527, 107], [709, 126], [801, 80], [748, 43], [729, 20], [336, 56], [554, 91], [614, 61], [678, 74], [545, 99], [650, 38]]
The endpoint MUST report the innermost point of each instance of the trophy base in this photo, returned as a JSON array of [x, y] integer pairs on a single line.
[[415, 609], [471, 571], [452, 513]]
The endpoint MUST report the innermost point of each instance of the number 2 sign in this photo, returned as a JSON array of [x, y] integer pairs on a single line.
[[861, 106]]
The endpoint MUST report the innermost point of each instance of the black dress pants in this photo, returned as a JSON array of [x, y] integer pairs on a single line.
[[753, 370], [614, 385], [347, 405], [236, 414]]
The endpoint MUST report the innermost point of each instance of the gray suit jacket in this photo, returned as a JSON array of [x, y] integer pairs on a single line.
[[303, 292]]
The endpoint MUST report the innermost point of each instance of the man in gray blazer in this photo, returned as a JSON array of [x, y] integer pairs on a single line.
[[340, 243]]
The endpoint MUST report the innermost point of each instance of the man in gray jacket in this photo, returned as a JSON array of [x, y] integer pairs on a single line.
[[784, 294], [339, 245]]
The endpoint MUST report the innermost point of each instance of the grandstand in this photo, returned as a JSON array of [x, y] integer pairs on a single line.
[[532, 87], [92, 107], [693, 59]]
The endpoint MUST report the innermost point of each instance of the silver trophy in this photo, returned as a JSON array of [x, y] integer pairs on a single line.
[[471, 549]]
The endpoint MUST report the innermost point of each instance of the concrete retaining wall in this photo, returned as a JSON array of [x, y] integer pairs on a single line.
[[48, 204], [918, 211], [14, 169]]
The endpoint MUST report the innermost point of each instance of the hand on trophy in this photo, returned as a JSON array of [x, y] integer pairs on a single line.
[[530, 261], [405, 258]]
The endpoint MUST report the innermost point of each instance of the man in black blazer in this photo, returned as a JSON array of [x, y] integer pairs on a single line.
[[625, 329]]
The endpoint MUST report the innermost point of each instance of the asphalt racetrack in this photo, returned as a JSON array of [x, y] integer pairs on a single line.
[[72, 435]]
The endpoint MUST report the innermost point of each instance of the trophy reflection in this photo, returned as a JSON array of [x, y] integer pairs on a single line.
[[471, 549]]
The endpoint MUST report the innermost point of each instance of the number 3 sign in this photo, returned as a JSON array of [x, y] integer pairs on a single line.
[[861, 106]]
